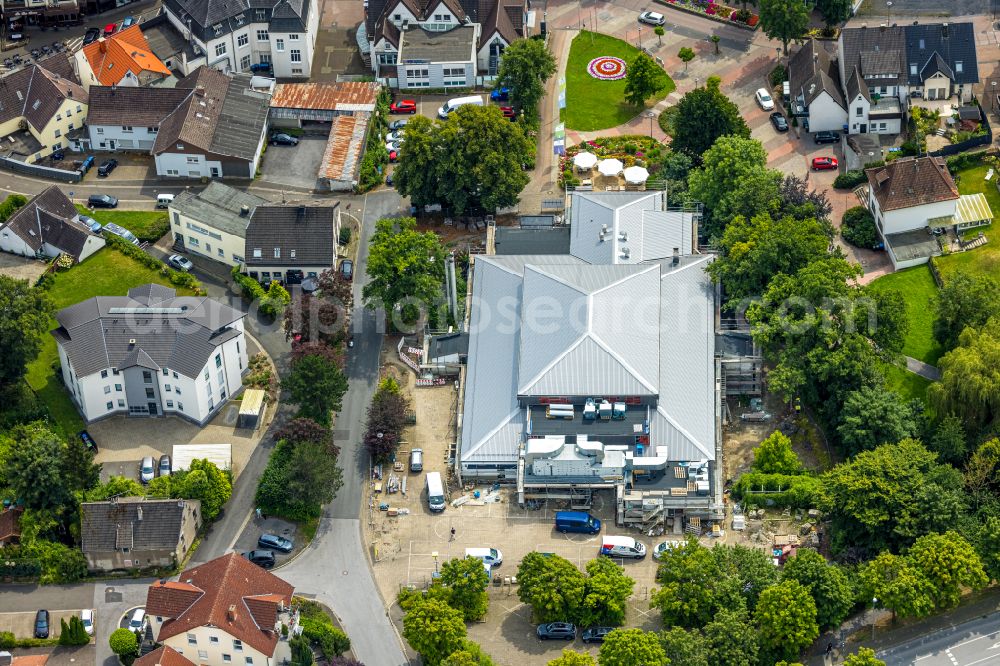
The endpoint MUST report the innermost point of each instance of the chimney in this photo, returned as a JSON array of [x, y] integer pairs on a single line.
[[199, 91], [231, 613], [677, 256], [944, 30], [302, 212], [881, 27], [244, 210]]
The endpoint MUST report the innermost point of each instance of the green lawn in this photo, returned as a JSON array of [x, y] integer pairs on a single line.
[[973, 181], [592, 104], [982, 260], [147, 225], [106, 273], [920, 293], [906, 384]]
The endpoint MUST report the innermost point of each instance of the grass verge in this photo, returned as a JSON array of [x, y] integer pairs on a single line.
[[918, 289], [906, 384], [147, 225]]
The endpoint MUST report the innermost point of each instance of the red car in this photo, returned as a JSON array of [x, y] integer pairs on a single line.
[[403, 106], [109, 29], [393, 156], [824, 164], [508, 112]]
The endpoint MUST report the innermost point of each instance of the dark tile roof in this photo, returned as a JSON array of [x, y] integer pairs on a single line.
[[134, 106], [875, 51], [60, 64], [181, 333], [206, 13], [911, 182], [811, 71], [218, 206], [856, 85], [50, 217], [163, 656], [289, 16], [10, 523], [36, 94], [950, 42], [306, 231], [234, 595], [132, 522]]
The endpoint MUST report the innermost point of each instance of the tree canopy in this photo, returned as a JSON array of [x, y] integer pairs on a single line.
[[970, 385], [775, 455], [732, 638], [317, 386], [685, 647], [897, 584], [572, 658], [643, 78], [786, 619], [433, 629], [703, 115], [606, 593], [632, 647], [828, 585], [551, 585], [966, 299], [525, 67], [26, 311], [466, 581], [872, 416], [949, 563], [692, 587], [783, 20], [405, 268], [863, 657]]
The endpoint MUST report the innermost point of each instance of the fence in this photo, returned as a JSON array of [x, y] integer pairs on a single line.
[[984, 140], [40, 171]]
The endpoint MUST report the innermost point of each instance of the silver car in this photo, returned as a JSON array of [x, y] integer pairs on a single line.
[[147, 469], [652, 18]]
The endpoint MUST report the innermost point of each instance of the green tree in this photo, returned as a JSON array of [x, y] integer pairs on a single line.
[[551, 585], [872, 416], [572, 658], [632, 647], [834, 11], [786, 619], [783, 20], [606, 593], [863, 657], [35, 471], [685, 647], [79, 469], [659, 32], [26, 312], [692, 586], [746, 570], [754, 251], [988, 547], [416, 177], [643, 78], [949, 563], [302, 654], [124, 644], [317, 386], [313, 475], [686, 54], [433, 629], [207, 483], [732, 639], [982, 473], [471, 654], [898, 585], [829, 586], [73, 632], [466, 580], [965, 300], [775, 455], [970, 385], [405, 266], [119, 486], [949, 441], [525, 67], [703, 115]]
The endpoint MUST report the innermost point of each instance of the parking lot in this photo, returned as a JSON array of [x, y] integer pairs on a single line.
[[22, 625], [295, 166]]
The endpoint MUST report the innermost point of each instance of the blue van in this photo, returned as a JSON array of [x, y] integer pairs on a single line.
[[577, 521]]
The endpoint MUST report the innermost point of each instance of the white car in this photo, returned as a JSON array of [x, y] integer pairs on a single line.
[[396, 135], [764, 99], [664, 547], [393, 145], [87, 617], [182, 264], [652, 18]]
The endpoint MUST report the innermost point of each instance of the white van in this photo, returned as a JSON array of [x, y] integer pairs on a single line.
[[490, 556], [435, 492], [138, 620], [622, 546], [164, 200], [452, 104]]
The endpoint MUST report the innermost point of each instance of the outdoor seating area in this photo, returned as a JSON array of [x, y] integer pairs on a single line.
[[612, 164], [609, 174]]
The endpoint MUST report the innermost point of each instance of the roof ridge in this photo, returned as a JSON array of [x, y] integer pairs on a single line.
[[523, 388], [697, 444], [627, 366], [489, 435]]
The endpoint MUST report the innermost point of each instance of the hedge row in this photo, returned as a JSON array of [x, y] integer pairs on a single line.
[[176, 278], [782, 490], [271, 301]]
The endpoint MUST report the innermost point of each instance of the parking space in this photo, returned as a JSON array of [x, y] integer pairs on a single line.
[[270, 525], [21, 268], [295, 166], [22, 625]]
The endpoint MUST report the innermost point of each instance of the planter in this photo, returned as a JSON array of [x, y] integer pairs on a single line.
[[718, 19]]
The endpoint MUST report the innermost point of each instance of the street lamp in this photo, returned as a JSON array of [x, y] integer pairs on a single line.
[[888, 11], [874, 601], [435, 556], [994, 84], [650, 115]]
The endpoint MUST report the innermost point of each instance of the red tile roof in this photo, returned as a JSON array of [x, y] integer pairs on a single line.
[[125, 51], [163, 656], [910, 182], [236, 596]]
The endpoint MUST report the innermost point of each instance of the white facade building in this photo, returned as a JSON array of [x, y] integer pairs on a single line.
[[213, 223]]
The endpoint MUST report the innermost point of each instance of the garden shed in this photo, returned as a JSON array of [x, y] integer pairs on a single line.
[[251, 409]]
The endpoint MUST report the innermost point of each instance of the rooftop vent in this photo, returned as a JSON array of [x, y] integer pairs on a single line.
[[131, 341], [676, 257], [623, 236], [231, 613], [244, 210], [625, 253]]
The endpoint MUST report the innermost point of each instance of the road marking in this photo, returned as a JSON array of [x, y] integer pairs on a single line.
[[973, 640], [951, 656], [239, 532], [979, 661]]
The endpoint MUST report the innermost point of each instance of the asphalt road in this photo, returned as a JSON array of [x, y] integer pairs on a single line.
[[976, 642]]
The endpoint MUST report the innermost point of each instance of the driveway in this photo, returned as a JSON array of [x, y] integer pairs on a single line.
[[297, 166], [21, 268]]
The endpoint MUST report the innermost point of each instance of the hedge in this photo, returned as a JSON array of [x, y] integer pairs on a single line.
[[781, 490], [963, 160], [858, 228], [271, 301], [849, 179], [10, 205], [176, 278]]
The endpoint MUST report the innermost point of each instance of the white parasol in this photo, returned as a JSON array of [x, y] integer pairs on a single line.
[[585, 160], [611, 167], [636, 174]]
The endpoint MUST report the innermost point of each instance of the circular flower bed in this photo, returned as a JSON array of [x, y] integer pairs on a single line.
[[607, 68]]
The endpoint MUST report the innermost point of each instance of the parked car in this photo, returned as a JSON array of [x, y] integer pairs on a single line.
[[146, 470], [102, 201], [261, 68], [652, 18], [403, 106], [393, 155], [764, 99], [110, 29], [92, 36], [500, 94], [508, 112], [825, 137], [107, 166], [87, 617], [87, 440], [42, 624], [490, 556], [779, 122], [824, 164], [164, 468], [347, 269], [121, 232], [596, 634], [94, 225], [276, 542], [393, 145], [138, 621], [282, 139], [398, 124], [558, 630], [395, 135], [129, 22], [665, 547], [182, 264], [262, 558]]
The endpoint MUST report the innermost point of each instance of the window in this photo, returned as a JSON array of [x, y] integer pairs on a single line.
[[147, 377], [227, 658], [152, 130], [173, 172], [860, 111], [166, 387], [127, 128], [291, 253], [238, 259], [296, 70], [58, 134], [192, 639], [222, 379], [114, 371], [293, 37], [110, 405], [213, 639], [277, 253], [218, 360], [203, 655], [69, 112], [387, 58], [149, 394], [238, 645], [175, 374], [194, 242], [118, 388], [180, 406], [107, 390], [397, 17], [882, 127], [221, 253], [121, 403], [245, 62], [296, 55], [265, 58], [104, 374], [243, 40], [166, 373], [222, 394], [257, 253], [79, 109], [100, 130], [192, 160], [959, 67], [249, 661], [206, 374], [211, 405], [180, 146], [261, 15], [70, 126], [279, 44], [58, 116], [220, 49], [177, 390]]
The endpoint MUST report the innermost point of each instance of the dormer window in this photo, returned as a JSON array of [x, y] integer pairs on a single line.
[[923, 45], [257, 253], [218, 29], [958, 67], [277, 253], [913, 69]]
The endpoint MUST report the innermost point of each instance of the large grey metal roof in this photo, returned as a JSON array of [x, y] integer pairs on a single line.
[[144, 329], [219, 206]]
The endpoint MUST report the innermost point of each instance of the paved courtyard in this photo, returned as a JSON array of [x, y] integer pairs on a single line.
[[296, 166], [21, 268]]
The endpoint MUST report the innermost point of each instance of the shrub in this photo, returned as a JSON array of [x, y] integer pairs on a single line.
[[10, 205], [176, 278], [7, 640], [345, 235], [964, 160], [778, 75], [124, 644], [849, 179], [858, 228], [782, 490], [331, 641]]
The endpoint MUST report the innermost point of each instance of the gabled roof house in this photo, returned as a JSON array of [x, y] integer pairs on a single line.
[[47, 226]]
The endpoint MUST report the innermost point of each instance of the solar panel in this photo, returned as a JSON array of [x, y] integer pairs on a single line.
[[138, 311]]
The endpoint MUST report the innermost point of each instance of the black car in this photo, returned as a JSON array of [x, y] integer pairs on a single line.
[[101, 201], [260, 67], [347, 269], [557, 630], [282, 139], [826, 137], [42, 624], [398, 124], [596, 634], [779, 122], [84, 436], [276, 542], [164, 467], [107, 166], [262, 558], [92, 35]]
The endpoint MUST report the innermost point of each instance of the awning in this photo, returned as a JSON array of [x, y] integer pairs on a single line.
[[973, 209]]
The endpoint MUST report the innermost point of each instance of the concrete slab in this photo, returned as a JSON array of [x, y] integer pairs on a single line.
[[296, 166], [21, 268]]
